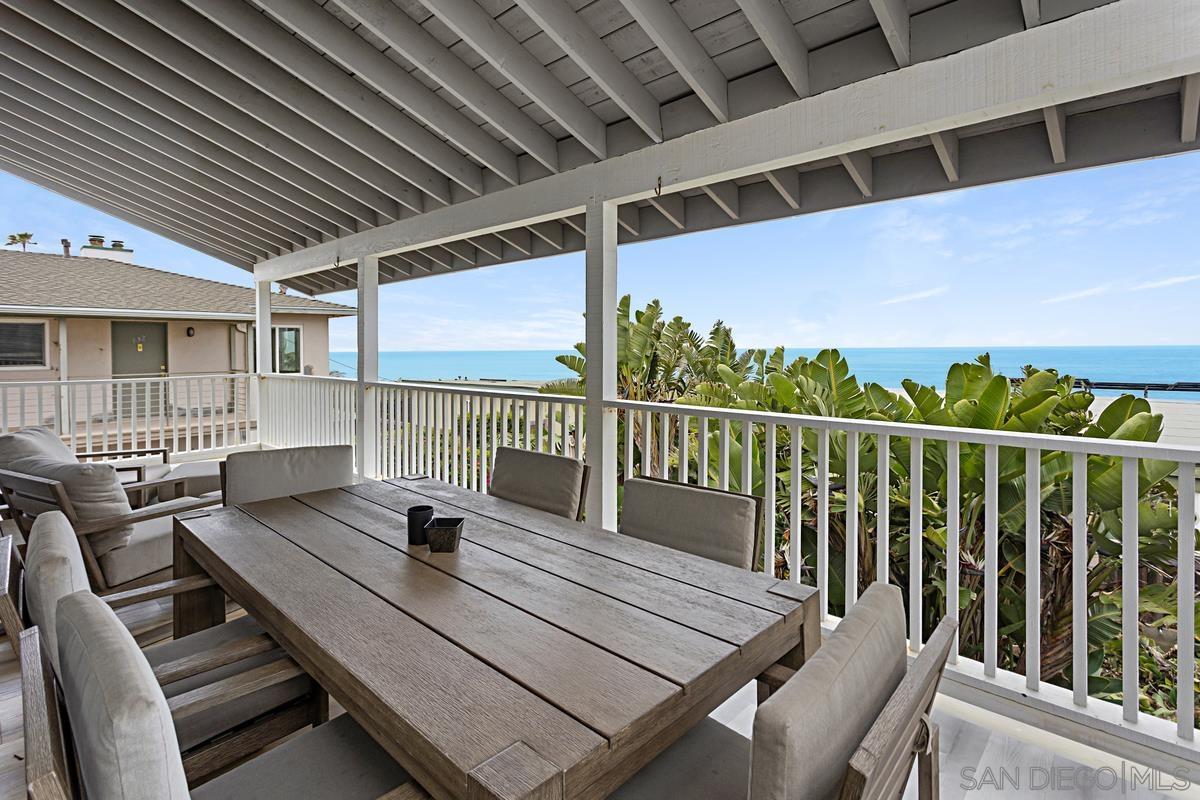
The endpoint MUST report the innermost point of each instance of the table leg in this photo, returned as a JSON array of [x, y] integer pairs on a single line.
[[200, 608], [794, 659]]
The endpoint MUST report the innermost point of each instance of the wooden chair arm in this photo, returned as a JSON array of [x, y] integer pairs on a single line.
[[6, 548], [775, 676], [157, 590], [234, 687], [146, 451], [227, 653], [167, 509]]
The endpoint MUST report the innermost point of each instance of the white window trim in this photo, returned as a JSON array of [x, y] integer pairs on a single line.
[[46, 365]]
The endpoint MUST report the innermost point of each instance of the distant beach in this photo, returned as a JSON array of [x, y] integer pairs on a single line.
[[884, 365]]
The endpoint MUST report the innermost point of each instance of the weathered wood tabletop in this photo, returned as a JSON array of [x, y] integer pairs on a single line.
[[544, 659]]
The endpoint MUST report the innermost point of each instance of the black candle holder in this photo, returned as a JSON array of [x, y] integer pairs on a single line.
[[418, 518], [443, 534]]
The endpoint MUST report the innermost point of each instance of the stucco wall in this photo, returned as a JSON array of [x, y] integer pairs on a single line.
[[206, 352]]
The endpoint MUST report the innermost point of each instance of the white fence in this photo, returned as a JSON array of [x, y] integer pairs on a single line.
[[966, 490], [186, 414]]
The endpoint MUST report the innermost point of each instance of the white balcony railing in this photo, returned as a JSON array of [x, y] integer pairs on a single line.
[[971, 482], [186, 414]]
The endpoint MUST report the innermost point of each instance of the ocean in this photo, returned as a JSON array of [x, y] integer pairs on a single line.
[[884, 365]]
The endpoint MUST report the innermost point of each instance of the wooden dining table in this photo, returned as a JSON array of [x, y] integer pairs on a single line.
[[546, 658]]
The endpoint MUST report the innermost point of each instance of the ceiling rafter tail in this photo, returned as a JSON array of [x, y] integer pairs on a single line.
[[577, 223], [894, 21], [1189, 101], [629, 218], [69, 187], [488, 38], [72, 192], [330, 35], [322, 282], [1031, 10], [53, 116], [550, 232], [464, 250], [304, 284], [787, 184], [417, 260], [773, 25], [673, 207], [681, 47], [403, 34], [726, 195], [248, 79], [442, 257], [1056, 131], [860, 165], [398, 267], [116, 186], [945, 144], [488, 243], [518, 238], [189, 109], [30, 124]]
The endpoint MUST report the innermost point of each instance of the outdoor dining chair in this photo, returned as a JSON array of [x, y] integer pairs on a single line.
[[713, 523], [848, 724], [115, 723], [548, 482], [254, 475], [231, 688]]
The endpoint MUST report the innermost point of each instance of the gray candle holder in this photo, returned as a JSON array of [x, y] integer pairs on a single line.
[[443, 534]]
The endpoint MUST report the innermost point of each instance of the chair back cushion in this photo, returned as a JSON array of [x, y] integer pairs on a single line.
[[265, 474], [54, 568], [806, 733], [32, 442], [122, 728], [539, 480], [94, 489], [716, 525]]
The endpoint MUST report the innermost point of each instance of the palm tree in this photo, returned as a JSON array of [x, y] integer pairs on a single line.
[[22, 239]]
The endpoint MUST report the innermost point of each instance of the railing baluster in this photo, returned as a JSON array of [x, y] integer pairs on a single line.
[[647, 444], [539, 421], [702, 451], [187, 412], [823, 520], [796, 489], [770, 546], [883, 508], [627, 467], [580, 450], [1079, 579], [1185, 706], [664, 445], [991, 515], [1033, 568], [1129, 588], [953, 523], [851, 519], [723, 455], [87, 410], [916, 542], [747, 479]]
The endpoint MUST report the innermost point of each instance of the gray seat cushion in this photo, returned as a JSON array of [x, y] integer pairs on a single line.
[[538, 480], [711, 761], [265, 474], [202, 477], [29, 442], [198, 728], [334, 761], [54, 568], [150, 548], [124, 738], [805, 733], [94, 489], [716, 525]]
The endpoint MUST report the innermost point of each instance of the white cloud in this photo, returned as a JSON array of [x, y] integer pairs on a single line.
[[921, 295], [1165, 282], [1092, 292]]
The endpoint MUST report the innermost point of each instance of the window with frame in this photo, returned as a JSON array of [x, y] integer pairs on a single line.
[[285, 350], [23, 344]]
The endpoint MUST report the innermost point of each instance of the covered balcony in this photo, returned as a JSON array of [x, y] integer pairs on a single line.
[[358, 143]]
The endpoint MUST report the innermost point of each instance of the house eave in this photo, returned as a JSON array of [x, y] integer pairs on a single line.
[[135, 313]]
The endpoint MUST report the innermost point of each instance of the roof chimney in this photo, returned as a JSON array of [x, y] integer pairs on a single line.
[[66, 243], [114, 252]]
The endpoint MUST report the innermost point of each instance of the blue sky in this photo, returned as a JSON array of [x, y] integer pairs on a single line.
[[1097, 257]]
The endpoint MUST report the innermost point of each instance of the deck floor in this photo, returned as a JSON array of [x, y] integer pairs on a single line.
[[968, 750]]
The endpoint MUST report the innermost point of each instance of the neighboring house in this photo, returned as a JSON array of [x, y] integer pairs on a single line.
[[98, 315]]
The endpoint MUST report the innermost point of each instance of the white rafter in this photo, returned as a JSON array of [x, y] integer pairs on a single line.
[[488, 37], [1056, 131], [681, 47], [779, 35], [893, 19], [861, 168], [1032, 11], [725, 195], [1189, 104], [787, 183], [945, 144]]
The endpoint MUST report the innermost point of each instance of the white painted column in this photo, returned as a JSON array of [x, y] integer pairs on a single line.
[[65, 423], [261, 352], [368, 364], [601, 351]]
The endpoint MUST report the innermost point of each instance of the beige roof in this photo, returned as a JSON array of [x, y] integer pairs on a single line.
[[85, 286]]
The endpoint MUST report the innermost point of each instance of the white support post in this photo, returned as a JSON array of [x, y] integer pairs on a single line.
[[601, 352], [262, 364], [368, 364], [64, 405]]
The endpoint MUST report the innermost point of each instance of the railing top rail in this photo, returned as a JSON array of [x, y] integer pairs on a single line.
[[479, 391], [98, 381], [1043, 441]]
